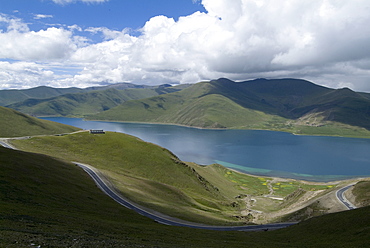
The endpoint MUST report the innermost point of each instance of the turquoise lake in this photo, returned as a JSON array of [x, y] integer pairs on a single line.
[[266, 153]]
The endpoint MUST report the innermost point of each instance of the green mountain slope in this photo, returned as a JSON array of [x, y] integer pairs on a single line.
[[90, 102], [49, 203], [146, 173], [198, 105], [290, 105], [155, 178], [16, 124]]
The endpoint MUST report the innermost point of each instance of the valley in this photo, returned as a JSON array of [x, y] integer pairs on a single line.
[[290, 105], [49, 201]]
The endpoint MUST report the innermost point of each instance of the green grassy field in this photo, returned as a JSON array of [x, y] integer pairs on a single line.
[[50, 203], [155, 178], [145, 173], [16, 124], [361, 192]]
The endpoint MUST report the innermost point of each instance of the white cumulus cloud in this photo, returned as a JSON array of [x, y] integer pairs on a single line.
[[21, 75], [325, 41], [41, 16]]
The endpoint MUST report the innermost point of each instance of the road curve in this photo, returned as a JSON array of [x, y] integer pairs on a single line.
[[5, 144], [168, 220], [343, 199]]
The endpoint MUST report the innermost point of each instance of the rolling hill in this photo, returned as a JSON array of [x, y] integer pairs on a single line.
[[16, 124], [155, 178], [148, 174], [50, 203], [292, 105], [90, 101]]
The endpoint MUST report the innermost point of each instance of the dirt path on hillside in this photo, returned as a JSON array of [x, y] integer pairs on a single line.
[[311, 203]]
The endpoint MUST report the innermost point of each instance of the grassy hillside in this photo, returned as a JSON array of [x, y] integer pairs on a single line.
[[361, 191], [16, 124], [145, 173], [291, 105], [88, 102], [49, 203], [155, 178], [194, 106]]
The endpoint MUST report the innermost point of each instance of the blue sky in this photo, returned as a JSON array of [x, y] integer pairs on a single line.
[[80, 43], [113, 14]]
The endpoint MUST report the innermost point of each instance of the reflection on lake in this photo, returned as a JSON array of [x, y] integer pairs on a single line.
[[256, 152]]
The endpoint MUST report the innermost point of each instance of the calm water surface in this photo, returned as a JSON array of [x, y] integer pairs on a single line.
[[258, 152]]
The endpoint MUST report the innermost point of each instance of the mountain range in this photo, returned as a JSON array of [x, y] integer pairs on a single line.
[[47, 101], [293, 105], [273, 104], [11, 96]]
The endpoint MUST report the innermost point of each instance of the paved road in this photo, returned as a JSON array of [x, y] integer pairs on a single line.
[[168, 220], [5, 144], [343, 199]]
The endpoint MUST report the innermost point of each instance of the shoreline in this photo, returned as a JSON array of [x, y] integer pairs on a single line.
[[209, 128], [315, 178], [354, 179], [226, 128], [250, 170]]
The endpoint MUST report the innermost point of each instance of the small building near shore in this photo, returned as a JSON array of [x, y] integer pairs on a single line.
[[92, 131]]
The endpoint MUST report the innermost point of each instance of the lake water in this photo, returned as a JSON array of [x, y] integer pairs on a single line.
[[266, 153]]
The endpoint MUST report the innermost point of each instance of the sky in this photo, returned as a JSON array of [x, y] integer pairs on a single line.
[[81, 43]]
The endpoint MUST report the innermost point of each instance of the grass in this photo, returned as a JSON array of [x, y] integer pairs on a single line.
[[145, 173], [153, 177], [49, 203], [330, 129], [190, 107], [361, 191], [16, 124]]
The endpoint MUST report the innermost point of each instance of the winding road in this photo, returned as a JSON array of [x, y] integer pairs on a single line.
[[5, 144], [166, 220], [343, 199]]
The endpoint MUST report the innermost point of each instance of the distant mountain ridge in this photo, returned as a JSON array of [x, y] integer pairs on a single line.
[[274, 104], [8, 97], [12, 96], [91, 100]]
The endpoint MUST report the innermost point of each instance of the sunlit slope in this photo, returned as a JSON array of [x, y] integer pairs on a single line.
[[146, 173], [47, 202], [195, 106], [292, 105], [361, 192], [16, 124]]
